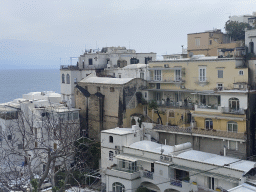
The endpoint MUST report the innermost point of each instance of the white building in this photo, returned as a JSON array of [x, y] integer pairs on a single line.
[[128, 162], [250, 19], [32, 126], [94, 62]]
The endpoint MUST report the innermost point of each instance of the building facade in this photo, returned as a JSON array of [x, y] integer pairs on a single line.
[[206, 101]]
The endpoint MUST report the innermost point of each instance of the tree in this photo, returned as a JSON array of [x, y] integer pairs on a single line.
[[38, 146], [152, 105], [236, 30]]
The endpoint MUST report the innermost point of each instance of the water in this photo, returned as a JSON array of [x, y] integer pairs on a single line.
[[15, 82]]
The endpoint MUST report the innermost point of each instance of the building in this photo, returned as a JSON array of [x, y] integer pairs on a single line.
[[206, 101], [207, 43], [31, 128], [94, 62], [107, 102], [129, 162], [250, 19]]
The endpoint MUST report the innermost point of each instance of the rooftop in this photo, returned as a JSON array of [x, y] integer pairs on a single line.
[[119, 131], [106, 80]]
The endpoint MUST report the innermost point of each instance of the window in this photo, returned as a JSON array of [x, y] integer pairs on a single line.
[[83, 64], [36, 144], [171, 113], [210, 42], [211, 183], [197, 41], [177, 75], [75, 80], [158, 86], [145, 95], [68, 79], [145, 110], [20, 146], [157, 75], [90, 61], [142, 75], [35, 132], [9, 137], [118, 187], [208, 124], [111, 155], [202, 74], [75, 116], [110, 139], [220, 86], [134, 60], [152, 167], [98, 89], [158, 96], [234, 104], [112, 89], [119, 76], [232, 126], [232, 145], [251, 47], [241, 72], [63, 78], [220, 73]]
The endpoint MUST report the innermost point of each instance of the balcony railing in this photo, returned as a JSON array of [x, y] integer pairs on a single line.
[[171, 104], [167, 80], [135, 169], [201, 80], [148, 174], [176, 182], [207, 107], [69, 67], [233, 111], [202, 131]]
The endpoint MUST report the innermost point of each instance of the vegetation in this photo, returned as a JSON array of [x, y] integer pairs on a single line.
[[236, 30], [152, 105]]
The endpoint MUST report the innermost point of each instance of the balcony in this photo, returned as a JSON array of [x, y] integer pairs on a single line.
[[208, 108], [69, 67], [147, 174], [201, 81], [233, 111], [122, 174], [201, 131], [171, 104], [166, 80]]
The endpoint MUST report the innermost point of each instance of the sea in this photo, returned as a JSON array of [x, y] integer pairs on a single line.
[[16, 82]]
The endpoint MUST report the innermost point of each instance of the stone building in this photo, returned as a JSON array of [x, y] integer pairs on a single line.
[[106, 102]]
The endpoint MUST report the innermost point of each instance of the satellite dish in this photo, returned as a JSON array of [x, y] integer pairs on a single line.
[[191, 54]]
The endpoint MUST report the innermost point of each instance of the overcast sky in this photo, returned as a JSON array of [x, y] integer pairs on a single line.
[[45, 33]]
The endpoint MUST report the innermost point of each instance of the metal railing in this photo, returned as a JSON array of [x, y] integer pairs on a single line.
[[148, 174], [70, 67], [233, 111], [130, 170], [167, 80], [171, 104], [202, 131], [207, 106]]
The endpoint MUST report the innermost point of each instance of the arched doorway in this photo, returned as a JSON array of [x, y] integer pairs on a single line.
[[150, 186]]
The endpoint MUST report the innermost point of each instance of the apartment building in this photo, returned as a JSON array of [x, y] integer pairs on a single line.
[[210, 43], [94, 62], [32, 126], [129, 162], [206, 101]]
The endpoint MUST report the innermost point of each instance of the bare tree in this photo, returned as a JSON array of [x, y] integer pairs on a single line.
[[36, 146]]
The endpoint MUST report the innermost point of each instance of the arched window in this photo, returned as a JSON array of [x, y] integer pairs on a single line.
[[118, 187], [208, 123], [68, 79], [110, 139], [63, 78], [83, 64], [232, 126], [233, 103], [111, 155]]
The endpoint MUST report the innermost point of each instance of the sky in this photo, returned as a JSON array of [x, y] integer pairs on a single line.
[[46, 33]]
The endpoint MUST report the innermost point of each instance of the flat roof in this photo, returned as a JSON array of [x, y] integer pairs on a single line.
[[106, 80], [119, 131]]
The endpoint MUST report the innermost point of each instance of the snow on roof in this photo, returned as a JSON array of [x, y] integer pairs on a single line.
[[217, 160], [119, 131], [244, 187], [106, 80], [135, 66], [152, 147]]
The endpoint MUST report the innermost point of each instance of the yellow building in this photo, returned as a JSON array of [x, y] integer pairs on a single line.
[[207, 43], [205, 101]]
